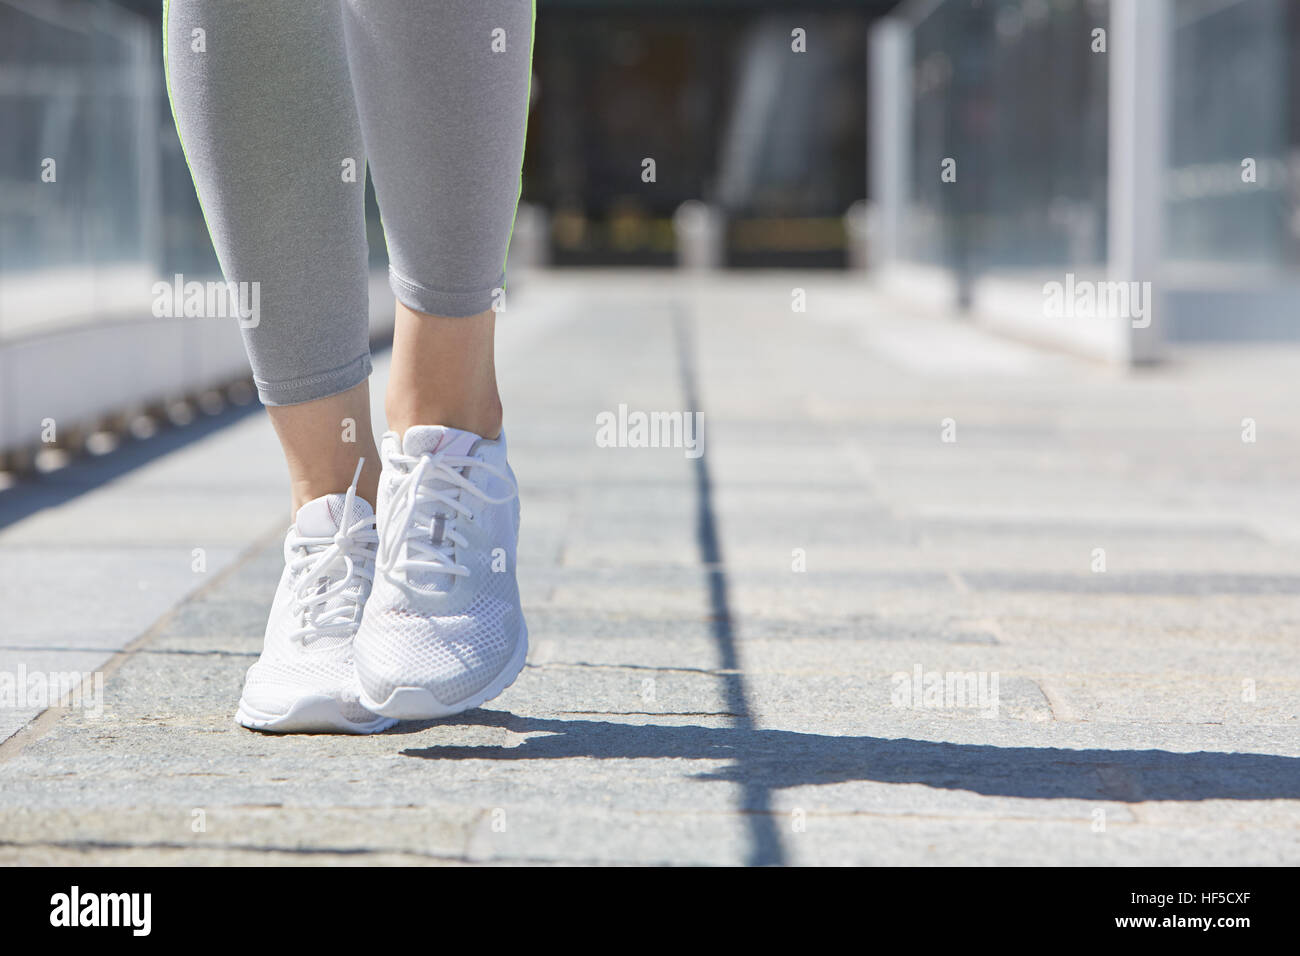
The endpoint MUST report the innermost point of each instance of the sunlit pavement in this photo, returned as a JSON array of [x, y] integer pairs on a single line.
[[752, 655]]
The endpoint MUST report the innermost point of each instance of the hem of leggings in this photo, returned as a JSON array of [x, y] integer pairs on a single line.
[[452, 305], [311, 387]]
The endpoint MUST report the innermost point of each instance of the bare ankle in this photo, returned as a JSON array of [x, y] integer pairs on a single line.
[[322, 440], [483, 418], [442, 373]]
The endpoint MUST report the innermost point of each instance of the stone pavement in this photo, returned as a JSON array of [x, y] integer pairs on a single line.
[[726, 649]]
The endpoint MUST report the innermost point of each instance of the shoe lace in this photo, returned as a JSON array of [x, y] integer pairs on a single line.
[[426, 505], [326, 568]]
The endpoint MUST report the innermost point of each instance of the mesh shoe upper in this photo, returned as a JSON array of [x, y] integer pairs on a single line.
[[307, 647], [444, 613]]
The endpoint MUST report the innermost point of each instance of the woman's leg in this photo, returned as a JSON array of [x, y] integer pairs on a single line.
[[264, 108], [442, 91]]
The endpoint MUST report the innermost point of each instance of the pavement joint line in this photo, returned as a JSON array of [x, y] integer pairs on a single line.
[[49, 718], [478, 831], [709, 671], [140, 652], [1062, 712], [82, 845], [765, 836], [649, 713]]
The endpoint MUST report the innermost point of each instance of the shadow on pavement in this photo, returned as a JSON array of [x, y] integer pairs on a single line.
[[777, 759]]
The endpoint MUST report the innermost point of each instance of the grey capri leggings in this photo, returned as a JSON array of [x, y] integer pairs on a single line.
[[281, 104]]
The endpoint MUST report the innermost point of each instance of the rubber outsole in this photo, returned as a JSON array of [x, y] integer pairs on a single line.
[[419, 703], [313, 714]]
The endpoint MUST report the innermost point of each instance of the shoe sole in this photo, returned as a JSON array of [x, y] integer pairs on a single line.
[[314, 714], [419, 703]]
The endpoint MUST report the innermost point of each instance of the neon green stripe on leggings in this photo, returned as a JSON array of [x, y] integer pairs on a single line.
[[171, 102]]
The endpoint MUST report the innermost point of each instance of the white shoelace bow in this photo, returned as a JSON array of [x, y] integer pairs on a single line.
[[415, 511], [350, 547]]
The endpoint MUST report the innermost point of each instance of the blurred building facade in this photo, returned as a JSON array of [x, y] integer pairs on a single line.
[[1111, 140], [755, 109]]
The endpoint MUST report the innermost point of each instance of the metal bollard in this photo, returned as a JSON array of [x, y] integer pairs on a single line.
[[698, 229]]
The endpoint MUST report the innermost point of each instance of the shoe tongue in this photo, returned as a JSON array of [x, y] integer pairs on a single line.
[[429, 439], [436, 439], [320, 517]]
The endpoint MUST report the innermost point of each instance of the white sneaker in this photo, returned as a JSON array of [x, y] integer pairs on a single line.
[[304, 682], [443, 631]]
